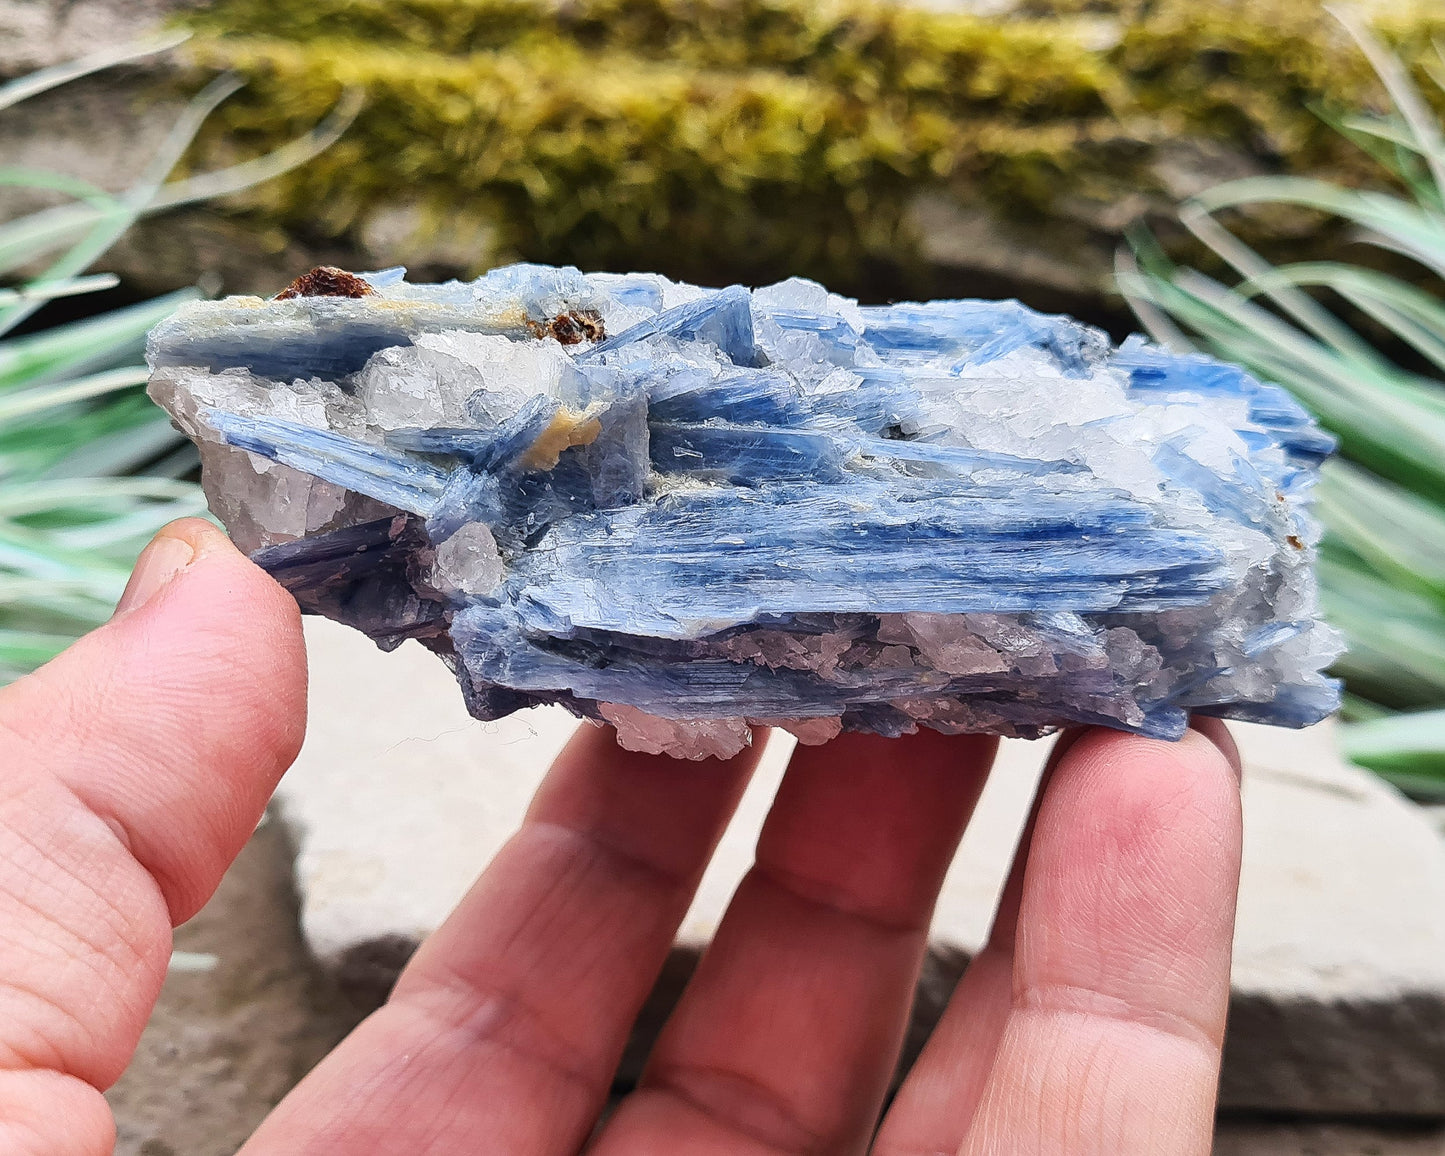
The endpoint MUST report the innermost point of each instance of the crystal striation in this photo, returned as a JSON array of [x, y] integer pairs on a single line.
[[689, 511]]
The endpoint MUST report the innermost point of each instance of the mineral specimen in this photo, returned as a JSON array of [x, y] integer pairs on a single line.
[[689, 511]]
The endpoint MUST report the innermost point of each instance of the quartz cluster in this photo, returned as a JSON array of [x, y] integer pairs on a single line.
[[690, 511]]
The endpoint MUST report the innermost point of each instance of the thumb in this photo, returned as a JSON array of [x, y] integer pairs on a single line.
[[137, 764]]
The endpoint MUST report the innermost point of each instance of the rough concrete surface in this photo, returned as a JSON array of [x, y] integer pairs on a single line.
[[1339, 964], [225, 1043], [1244, 1137]]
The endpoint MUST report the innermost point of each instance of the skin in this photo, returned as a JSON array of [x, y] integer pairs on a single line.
[[138, 763]]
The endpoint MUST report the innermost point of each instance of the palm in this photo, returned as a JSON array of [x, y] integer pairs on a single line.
[[1091, 1023]]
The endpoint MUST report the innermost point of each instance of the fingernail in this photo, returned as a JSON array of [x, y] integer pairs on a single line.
[[162, 560]]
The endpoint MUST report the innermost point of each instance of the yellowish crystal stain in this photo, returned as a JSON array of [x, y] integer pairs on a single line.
[[568, 428]]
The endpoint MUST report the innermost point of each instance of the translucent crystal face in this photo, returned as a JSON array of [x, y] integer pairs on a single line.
[[690, 511]]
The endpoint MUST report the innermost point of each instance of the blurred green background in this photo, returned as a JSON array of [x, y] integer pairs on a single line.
[[753, 139]]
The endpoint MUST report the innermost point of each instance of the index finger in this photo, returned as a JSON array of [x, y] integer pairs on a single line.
[[506, 1028]]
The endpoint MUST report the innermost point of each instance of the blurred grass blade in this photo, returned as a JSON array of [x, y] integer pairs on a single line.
[[1387, 131], [112, 223], [1250, 265], [29, 497], [117, 451], [1413, 230], [47, 78], [89, 468], [1403, 93], [1404, 744], [49, 229], [245, 174], [1128, 275], [1394, 148], [45, 397], [95, 343], [59, 443], [1411, 314], [24, 177], [1397, 635], [30, 237], [1398, 533], [23, 650], [54, 290]]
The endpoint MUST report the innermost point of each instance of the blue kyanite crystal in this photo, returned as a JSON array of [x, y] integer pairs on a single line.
[[688, 510]]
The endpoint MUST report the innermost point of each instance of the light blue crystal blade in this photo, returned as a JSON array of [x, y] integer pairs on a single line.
[[699, 562], [324, 339], [1155, 372], [723, 319], [744, 455], [952, 460], [836, 334], [469, 496], [742, 396], [494, 449], [977, 332], [397, 481]]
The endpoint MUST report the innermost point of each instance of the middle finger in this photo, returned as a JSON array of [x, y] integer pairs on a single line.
[[787, 1035]]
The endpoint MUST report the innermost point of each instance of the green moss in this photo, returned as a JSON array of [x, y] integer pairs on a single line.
[[718, 138]]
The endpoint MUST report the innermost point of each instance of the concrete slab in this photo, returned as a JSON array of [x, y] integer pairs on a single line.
[[399, 799], [1236, 1137], [232, 1032]]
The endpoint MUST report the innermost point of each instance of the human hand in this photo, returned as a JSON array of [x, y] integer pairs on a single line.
[[138, 763]]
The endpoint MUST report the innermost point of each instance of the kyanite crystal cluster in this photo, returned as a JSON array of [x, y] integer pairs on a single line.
[[690, 511]]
